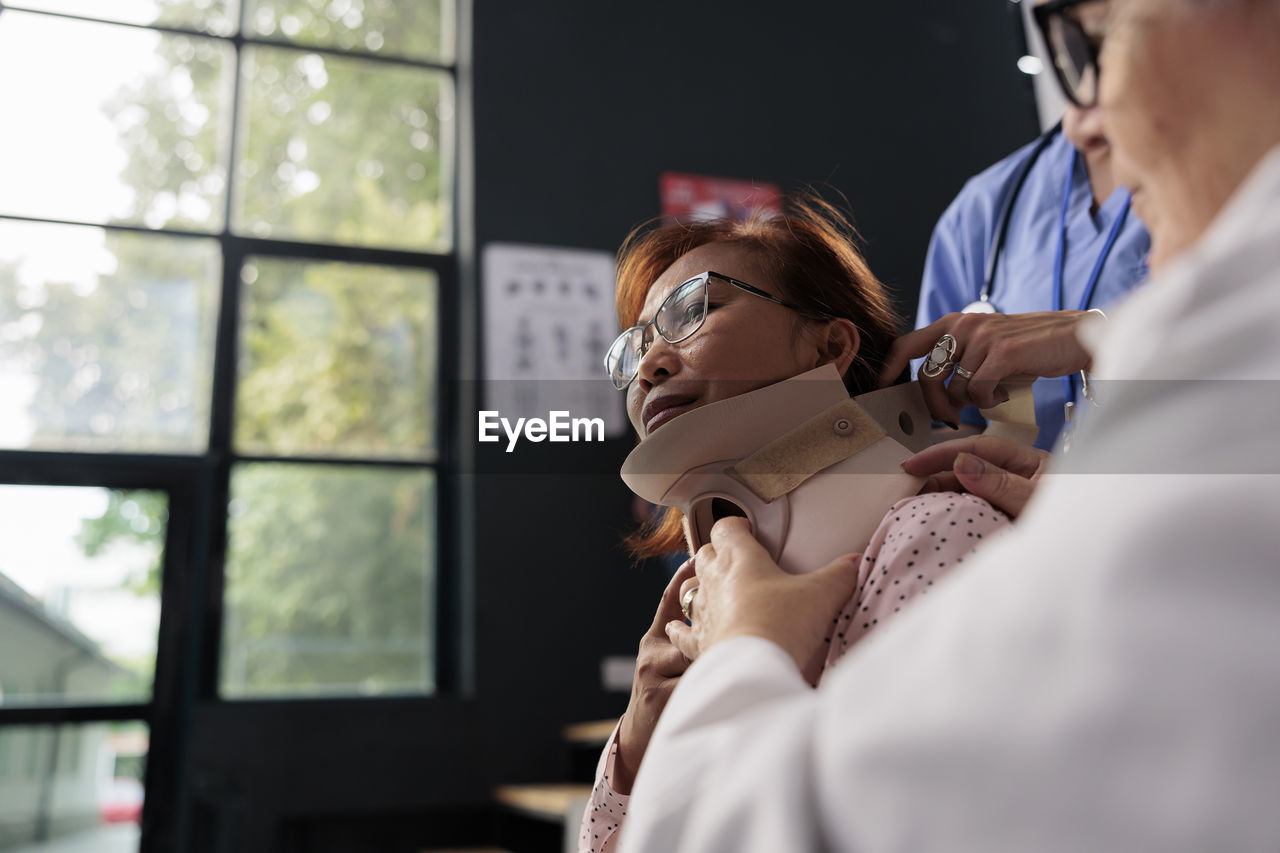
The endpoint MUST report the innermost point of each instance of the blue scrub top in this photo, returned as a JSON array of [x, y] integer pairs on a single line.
[[955, 268]]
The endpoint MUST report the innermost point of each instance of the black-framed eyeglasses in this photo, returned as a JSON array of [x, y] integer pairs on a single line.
[[677, 318], [1072, 50]]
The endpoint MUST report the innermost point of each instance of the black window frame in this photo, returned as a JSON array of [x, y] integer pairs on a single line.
[[197, 485]]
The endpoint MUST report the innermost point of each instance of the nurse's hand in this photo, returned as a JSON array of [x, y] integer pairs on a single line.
[[659, 666], [742, 592], [992, 348], [1004, 473]]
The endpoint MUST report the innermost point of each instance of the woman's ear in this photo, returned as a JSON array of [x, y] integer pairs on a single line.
[[839, 343]]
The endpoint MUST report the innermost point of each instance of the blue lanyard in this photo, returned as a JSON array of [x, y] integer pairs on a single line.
[[1060, 259]]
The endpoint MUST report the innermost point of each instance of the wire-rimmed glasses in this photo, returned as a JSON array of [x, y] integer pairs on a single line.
[[677, 318]]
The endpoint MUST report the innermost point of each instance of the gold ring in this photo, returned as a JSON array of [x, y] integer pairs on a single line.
[[686, 602]]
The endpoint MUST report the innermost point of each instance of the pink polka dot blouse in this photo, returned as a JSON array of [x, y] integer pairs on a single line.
[[919, 540]]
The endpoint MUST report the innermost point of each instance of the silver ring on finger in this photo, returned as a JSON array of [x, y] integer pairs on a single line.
[[686, 602], [963, 373], [941, 357]]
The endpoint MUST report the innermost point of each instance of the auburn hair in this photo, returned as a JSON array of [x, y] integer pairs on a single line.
[[811, 254]]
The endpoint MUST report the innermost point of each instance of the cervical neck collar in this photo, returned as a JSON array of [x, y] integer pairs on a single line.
[[813, 471]]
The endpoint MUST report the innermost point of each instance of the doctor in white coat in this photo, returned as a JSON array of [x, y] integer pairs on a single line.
[[1107, 675]]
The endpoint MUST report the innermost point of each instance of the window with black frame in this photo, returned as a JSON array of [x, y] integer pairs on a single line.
[[226, 271]]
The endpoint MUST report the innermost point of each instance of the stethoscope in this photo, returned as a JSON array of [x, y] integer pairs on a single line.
[[984, 305]]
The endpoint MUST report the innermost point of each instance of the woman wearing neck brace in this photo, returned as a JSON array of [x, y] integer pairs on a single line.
[[723, 311]]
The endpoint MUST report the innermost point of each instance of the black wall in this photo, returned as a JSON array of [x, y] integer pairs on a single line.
[[579, 105]]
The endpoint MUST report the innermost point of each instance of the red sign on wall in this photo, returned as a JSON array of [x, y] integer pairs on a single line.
[[692, 197]]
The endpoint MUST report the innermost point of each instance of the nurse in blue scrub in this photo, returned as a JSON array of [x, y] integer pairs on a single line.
[[1044, 230]]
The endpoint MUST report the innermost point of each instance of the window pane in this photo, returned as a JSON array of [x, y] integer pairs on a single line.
[[106, 338], [329, 581], [79, 594], [113, 124], [342, 150], [74, 788], [213, 16], [336, 360], [414, 29]]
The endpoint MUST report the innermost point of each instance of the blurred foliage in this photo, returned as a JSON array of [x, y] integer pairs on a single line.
[[174, 122], [124, 363], [132, 515], [329, 569], [414, 29], [336, 359], [342, 150], [329, 581]]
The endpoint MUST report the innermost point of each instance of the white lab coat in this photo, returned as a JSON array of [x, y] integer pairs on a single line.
[[1104, 678]]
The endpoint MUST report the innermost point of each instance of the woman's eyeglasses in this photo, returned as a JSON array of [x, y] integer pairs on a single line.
[[1073, 51], [677, 318]]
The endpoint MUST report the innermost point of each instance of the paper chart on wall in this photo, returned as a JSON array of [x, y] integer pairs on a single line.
[[548, 318]]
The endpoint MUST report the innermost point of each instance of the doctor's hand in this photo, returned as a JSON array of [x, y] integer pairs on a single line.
[[989, 348], [1004, 473], [659, 666], [742, 592]]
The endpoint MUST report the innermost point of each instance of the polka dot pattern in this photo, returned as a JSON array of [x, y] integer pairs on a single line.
[[606, 809], [920, 540]]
